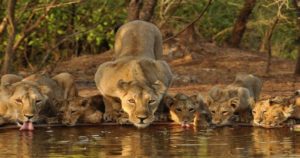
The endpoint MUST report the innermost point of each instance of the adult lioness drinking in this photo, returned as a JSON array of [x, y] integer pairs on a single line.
[[137, 80]]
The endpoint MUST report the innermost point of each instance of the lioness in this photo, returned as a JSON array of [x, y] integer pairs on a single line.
[[137, 80], [55, 91], [187, 110], [9, 79], [235, 101], [20, 102], [81, 109]]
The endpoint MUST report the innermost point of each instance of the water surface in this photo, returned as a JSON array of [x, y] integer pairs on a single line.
[[154, 141]]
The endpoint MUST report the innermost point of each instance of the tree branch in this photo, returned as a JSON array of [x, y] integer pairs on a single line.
[[192, 23]]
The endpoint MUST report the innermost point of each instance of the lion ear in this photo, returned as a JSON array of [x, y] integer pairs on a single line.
[[288, 110], [234, 102], [209, 100], [198, 99], [159, 87], [168, 100]]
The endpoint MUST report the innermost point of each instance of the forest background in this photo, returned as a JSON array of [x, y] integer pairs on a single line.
[[37, 33]]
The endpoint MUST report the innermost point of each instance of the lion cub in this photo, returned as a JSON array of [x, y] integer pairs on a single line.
[[187, 110], [81, 109], [279, 111], [234, 101]]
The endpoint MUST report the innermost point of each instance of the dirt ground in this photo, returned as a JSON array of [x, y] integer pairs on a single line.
[[198, 70]]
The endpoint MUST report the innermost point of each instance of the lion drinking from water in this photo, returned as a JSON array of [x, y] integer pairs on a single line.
[[137, 80]]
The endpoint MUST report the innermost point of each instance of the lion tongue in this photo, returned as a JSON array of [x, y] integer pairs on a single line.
[[27, 126], [187, 125]]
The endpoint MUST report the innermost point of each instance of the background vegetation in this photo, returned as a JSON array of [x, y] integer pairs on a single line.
[[48, 31]]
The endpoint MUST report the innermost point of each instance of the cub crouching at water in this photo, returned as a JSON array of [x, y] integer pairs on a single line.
[[235, 101], [137, 80], [81, 109], [278, 111], [187, 110]]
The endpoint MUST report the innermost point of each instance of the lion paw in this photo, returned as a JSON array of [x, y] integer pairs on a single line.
[[109, 116]]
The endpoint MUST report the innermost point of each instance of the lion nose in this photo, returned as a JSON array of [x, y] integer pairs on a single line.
[[28, 116], [142, 117]]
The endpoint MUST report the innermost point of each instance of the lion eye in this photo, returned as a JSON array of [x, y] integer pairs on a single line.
[[213, 112], [178, 109], [19, 101], [191, 109], [152, 101], [73, 111], [38, 101], [225, 112], [132, 101], [253, 112]]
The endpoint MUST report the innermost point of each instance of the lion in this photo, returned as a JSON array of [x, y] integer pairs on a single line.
[[56, 89], [280, 111], [9, 79], [137, 79], [20, 103], [187, 110], [234, 102], [82, 109]]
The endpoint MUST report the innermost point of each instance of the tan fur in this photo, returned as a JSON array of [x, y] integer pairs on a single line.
[[136, 81], [81, 109], [138, 38], [54, 90], [67, 82], [259, 110], [20, 102], [234, 101], [9, 79], [280, 111], [187, 110]]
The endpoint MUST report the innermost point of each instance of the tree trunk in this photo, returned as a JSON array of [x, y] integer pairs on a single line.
[[141, 9], [134, 8], [11, 29], [147, 10], [240, 23], [296, 4]]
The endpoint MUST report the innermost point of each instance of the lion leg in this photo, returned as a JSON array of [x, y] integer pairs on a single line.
[[245, 116], [110, 106], [123, 117]]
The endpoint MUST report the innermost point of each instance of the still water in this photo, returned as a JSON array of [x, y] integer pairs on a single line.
[[154, 141]]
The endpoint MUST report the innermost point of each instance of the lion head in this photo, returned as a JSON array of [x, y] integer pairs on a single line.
[[184, 109], [26, 101], [277, 112], [223, 110], [258, 111], [72, 110], [141, 100]]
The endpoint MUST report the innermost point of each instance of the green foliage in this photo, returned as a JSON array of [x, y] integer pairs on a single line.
[[88, 27]]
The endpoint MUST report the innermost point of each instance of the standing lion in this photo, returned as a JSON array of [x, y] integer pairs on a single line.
[[137, 79]]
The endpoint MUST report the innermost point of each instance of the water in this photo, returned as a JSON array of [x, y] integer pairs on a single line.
[[155, 141]]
